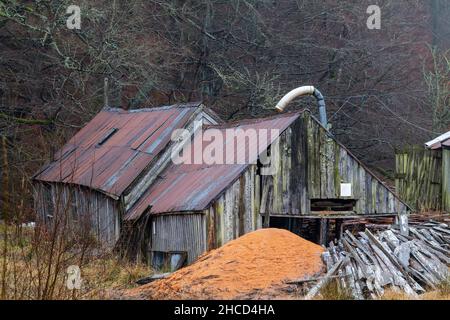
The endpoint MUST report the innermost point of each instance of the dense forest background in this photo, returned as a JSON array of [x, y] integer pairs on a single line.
[[384, 88]]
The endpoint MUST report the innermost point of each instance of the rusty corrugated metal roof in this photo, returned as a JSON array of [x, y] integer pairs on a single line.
[[192, 187], [115, 147]]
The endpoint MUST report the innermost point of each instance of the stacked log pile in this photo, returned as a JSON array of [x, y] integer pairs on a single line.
[[367, 263]]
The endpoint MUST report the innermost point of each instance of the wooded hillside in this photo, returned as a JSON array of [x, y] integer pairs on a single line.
[[384, 88]]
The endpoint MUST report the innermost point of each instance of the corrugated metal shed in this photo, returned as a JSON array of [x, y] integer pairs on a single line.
[[192, 187], [115, 147], [180, 232]]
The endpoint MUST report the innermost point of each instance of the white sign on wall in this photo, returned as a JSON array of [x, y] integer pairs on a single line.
[[346, 189]]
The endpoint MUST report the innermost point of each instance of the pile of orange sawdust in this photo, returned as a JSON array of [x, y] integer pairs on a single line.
[[253, 266]]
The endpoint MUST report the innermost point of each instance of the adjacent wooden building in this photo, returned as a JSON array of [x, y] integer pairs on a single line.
[[422, 176], [173, 211]]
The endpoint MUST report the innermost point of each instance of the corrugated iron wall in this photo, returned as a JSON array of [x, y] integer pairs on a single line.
[[179, 232], [418, 177], [80, 203]]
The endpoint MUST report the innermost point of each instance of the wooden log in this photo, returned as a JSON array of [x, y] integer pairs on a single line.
[[398, 277], [403, 253], [391, 238], [429, 237], [326, 257], [443, 230], [355, 255], [432, 263], [437, 236], [417, 271], [400, 236], [442, 257], [352, 281], [436, 247], [337, 257], [361, 246], [153, 278], [410, 283], [301, 281], [359, 284], [375, 276], [427, 271], [316, 289], [417, 234]]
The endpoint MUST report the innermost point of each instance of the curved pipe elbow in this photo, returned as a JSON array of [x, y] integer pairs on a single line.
[[302, 91], [291, 95]]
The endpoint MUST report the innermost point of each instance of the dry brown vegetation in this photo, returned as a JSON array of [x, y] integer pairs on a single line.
[[441, 293], [333, 291], [35, 266]]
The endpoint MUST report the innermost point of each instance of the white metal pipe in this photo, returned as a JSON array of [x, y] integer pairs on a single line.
[[291, 95], [302, 91]]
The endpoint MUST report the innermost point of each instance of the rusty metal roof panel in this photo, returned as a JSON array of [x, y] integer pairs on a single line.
[[192, 187], [115, 147]]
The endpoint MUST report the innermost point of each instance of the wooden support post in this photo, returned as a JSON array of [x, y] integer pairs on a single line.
[[403, 224], [339, 229], [323, 231], [266, 220]]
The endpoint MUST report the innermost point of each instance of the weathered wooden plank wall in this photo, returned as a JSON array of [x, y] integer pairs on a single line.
[[312, 165], [446, 180], [235, 212], [80, 204], [179, 232], [418, 177]]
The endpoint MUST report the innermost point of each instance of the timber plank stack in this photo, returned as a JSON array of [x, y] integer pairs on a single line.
[[369, 262]]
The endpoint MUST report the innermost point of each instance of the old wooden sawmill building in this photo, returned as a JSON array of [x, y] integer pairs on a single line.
[[118, 172]]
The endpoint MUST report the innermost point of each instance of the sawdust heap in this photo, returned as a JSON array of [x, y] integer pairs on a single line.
[[251, 266]]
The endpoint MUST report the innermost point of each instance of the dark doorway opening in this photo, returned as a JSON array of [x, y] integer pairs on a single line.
[[317, 230], [322, 230], [334, 205]]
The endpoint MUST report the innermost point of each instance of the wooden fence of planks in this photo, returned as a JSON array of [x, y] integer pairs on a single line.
[[446, 180], [418, 177]]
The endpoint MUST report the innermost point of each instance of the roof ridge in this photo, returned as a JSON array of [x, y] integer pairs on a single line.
[[152, 109], [254, 120]]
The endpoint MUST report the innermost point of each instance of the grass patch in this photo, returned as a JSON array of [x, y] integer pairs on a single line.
[[333, 290], [442, 292], [444, 287]]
